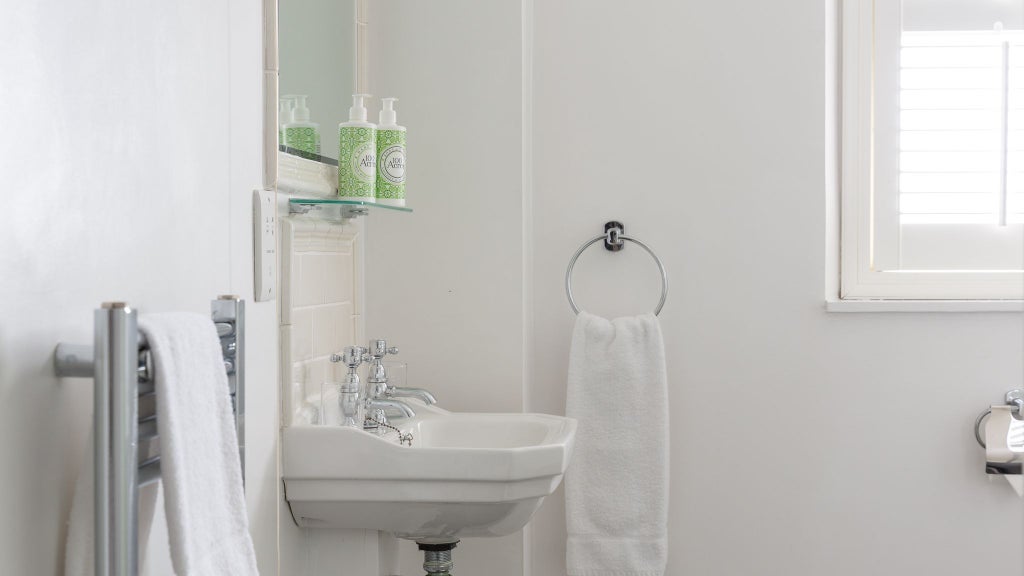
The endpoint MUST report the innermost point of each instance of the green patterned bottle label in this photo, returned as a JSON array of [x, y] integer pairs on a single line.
[[302, 138], [391, 164], [357, 162]]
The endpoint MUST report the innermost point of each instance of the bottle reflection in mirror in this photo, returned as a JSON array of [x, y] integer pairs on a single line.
[[285, 104], [300, 133]]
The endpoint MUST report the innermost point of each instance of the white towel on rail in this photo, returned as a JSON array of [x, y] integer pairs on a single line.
[[199, 464], [616, 489]]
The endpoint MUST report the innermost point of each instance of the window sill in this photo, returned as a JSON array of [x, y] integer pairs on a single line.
[[844, 306]]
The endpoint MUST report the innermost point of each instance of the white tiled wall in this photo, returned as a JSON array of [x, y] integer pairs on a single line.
[[320, 308]]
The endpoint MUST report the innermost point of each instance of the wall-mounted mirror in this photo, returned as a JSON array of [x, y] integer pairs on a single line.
[[319, 44], [317, 48]]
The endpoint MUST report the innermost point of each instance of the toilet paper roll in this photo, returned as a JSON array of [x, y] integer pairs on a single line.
[[1016, 482], [1004, 446]]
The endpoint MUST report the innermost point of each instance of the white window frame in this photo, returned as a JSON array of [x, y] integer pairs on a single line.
[[863, 274]]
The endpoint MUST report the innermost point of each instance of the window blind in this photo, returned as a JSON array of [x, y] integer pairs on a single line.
[[961, 127]]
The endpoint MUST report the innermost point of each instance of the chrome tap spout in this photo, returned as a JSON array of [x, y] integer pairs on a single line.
[[423, 395], [394, 405]]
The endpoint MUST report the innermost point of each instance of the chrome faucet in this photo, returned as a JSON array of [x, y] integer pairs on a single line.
[[378, 397], [378, 376], [377, 411], [348, 394], [377, 402], [402, 392]]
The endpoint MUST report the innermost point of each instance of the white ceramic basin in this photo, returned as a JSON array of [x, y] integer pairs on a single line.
[[465, 475]]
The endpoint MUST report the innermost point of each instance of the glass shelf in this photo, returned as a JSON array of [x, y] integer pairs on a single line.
[[349, 208]]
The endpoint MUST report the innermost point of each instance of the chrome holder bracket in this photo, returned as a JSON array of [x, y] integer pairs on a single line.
[[354, 211], [301, 208], [347, 211], [612, 231]]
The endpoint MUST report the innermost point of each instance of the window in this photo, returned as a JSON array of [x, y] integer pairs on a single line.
[[933, 149]]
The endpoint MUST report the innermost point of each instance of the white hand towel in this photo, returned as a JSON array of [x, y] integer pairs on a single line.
[[616, 489], [199, 465]]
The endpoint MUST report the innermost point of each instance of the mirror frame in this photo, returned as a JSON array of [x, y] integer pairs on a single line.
[[271, 78], [271, 71]]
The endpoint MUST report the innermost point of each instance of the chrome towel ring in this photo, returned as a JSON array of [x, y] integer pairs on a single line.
[[614, 240]]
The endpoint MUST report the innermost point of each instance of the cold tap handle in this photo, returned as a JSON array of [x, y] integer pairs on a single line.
[[379, 349]]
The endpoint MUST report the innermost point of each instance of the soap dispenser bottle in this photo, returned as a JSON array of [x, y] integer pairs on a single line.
[[284, 115], [300, 133], [357, 154], [390, 156]]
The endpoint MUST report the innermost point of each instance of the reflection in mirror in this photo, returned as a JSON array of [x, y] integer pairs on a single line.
[[317, 45]]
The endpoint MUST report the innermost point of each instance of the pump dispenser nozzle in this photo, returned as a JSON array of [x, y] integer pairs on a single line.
[[357, 113], [387, 112], [300, 113], [284, 108]]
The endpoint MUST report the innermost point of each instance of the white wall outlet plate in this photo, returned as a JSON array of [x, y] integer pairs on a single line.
[[264, 221]]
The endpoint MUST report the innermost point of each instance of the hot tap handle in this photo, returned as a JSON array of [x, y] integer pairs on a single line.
[[352, 356]]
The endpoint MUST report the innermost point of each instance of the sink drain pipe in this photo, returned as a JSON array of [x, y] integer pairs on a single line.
[[437, 558]]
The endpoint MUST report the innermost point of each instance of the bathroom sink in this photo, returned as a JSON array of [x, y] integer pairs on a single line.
[[465, 475]]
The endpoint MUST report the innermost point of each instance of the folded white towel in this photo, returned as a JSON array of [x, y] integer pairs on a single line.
[[616, 489], [199, 465]]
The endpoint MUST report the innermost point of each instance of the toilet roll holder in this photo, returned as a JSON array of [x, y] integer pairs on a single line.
[[1004, 454], [1014, 398]]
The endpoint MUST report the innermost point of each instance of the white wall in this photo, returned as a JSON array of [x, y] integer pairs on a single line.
[[847, 446], [132, 152], [702, 126], [445, 283]]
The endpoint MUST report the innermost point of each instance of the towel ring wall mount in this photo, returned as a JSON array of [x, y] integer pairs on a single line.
[[614, 241]]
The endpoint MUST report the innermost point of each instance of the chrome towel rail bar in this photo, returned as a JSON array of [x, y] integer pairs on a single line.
[[76, 361], [614, 240]]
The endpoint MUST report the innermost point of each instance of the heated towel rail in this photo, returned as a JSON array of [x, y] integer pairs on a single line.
[[121, 365]]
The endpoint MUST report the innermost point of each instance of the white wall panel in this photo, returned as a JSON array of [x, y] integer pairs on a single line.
[[128, 177], [802, 443], [445, 283], [843, 442]]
